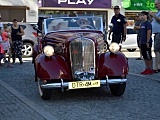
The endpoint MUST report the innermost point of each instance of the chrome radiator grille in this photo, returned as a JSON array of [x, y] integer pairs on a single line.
[[82, 55]]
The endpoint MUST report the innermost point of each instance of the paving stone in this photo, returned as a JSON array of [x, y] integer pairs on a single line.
[[12, 108]]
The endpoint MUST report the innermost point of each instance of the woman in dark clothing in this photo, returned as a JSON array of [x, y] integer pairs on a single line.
[[17, 44]]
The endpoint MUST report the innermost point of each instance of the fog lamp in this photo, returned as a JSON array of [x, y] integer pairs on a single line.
[[114, 47], [48, 50]]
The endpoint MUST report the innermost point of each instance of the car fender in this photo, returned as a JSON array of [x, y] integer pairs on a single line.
[[112, 65], [49, 68], [35, 52]]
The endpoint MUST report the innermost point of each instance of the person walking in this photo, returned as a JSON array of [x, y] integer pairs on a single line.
[[156, 32], [118, 26], [137, 28], [16, 35], [146, 43]]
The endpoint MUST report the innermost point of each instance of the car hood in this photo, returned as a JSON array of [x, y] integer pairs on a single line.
[[63, 36]]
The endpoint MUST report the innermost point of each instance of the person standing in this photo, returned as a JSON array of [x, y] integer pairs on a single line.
[[118, 27], [1, 51], [16, 35], [6, 43], [137, 28], [146, 43], [1, 25], [156, 32]]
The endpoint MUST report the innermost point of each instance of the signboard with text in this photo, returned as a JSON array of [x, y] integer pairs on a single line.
[[139, 5], [77, 3]]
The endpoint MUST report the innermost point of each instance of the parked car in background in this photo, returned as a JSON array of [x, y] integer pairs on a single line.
[[131, 40], [73, 57], [29, 38], [130, 43]]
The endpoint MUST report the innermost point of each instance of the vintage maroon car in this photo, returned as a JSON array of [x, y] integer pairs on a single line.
[[71, 54]]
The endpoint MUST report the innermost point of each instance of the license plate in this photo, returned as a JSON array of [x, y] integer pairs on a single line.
[[84, 84]]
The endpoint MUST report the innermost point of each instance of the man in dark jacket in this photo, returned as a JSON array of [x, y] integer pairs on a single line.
[[118, 26]]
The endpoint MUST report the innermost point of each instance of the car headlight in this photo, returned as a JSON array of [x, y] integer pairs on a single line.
[[48, 50], [114, 47]]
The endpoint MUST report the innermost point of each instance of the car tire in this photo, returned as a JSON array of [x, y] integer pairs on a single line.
[[117, 89], [131, 50], [27, 49], [44, 93]]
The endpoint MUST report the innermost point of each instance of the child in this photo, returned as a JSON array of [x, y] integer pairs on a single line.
[[146, 43], [6, 44], [1, 51]]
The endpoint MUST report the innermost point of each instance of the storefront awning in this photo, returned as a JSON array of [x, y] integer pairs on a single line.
[[31, 3]]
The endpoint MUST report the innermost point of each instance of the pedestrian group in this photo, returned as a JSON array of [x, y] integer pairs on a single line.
[[147, 24], [11, 43]]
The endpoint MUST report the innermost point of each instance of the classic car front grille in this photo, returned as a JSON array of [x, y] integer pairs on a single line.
[[82, 55]]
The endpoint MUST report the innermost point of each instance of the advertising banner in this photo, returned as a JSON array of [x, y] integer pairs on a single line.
[[139, 5], [77, 3]]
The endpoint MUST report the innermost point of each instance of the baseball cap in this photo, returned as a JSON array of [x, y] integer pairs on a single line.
[[145, 13], [116, 7]]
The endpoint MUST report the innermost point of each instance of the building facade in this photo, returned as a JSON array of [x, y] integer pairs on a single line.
[[133, 7], [22, 10], [60, 8]]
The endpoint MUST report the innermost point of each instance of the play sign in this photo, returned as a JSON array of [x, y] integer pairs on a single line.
[[85, 2], [77, 3]]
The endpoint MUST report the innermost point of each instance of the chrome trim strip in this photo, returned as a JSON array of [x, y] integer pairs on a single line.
[[54, 85], [66, 84], [116, 81]]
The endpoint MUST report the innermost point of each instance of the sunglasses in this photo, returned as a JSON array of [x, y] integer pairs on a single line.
[[82, 22]]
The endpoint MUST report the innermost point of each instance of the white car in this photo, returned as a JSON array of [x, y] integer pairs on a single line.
[[131, 40]]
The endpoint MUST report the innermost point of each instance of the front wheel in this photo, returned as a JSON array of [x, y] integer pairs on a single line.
[[44, 93], [117, 89]]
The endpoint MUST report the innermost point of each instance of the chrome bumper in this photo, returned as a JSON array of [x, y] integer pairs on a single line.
[[63, 85]]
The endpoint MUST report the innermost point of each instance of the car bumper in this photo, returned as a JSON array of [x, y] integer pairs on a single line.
[[63, 85]]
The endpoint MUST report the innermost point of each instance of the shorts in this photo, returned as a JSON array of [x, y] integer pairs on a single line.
[[117, 38], [146, 52], [157, 42], [6, 46]]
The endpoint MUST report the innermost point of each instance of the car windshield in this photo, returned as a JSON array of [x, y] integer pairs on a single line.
[[73, 23]]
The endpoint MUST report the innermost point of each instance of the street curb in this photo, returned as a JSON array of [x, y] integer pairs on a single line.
[[31, 104]]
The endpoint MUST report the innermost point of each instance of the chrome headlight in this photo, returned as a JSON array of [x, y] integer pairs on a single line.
[[114, 47], [48, 50]]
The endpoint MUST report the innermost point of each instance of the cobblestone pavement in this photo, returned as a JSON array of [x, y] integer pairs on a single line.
[[12, 108], [139, 102], [15, 106]]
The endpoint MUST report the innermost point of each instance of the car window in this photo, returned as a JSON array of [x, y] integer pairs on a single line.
[[23, 26], [73, 23], [131, 31]]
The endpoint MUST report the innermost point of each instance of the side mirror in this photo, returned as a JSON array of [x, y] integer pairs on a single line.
[[35, 27]]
